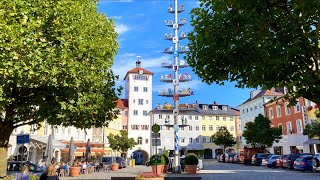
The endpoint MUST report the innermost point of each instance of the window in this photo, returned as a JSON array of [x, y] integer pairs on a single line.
[[271, 113], [190, 117], [205, 107], [134, 101], [251, 109], [167, 139], [278, 111], [231, 128], [280, 126], [145, 89], [210, 128], [190, 128], [140, 101], [231, 118], [197, 140], [182, 128], [182, 140], [136, 89], [197, 128], [203, 127], [297, 106], [224, 118], [160, 116], [135, 127], [217, 127], [145, 113], [217, 118], [224, 108], [203, 117], [247, 110], [147, 141], [167, 116], [160, 127], [124, 127], [63, 130], [135, 112], [255, 107], [196, 118], [139, 141], [69, 131], [288, 112], [190, 140], [243, 111], [289, 128], [210, 117], [299, 126], [215, 107], [126, 113], [167, 128], [147, 101], [211, 139], [204, 139]]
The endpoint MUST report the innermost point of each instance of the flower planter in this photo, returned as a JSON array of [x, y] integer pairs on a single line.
[[191, 169], [74, 171], [165, 168], [115, 167], [159, 169]]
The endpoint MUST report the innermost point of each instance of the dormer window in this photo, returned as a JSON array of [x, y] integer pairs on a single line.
[[205, 107], [215, 108], [224, 108]]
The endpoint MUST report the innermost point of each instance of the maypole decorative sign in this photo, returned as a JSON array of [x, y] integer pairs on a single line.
[[175, 50]]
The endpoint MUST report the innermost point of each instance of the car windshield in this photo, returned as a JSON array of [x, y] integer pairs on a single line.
[[299, 159]]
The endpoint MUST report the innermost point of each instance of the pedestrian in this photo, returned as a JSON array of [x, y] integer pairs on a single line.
[[49, 174], [24, 175]]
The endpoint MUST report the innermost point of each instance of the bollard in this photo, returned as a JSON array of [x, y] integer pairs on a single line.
[[132, 162]]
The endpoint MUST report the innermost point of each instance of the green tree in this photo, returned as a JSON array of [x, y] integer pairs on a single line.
[[223, 138], [121, 142], [260, 134], [258, 43], [55, 60]]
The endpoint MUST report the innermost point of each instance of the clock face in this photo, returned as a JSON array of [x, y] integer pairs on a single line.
[[140, 72]]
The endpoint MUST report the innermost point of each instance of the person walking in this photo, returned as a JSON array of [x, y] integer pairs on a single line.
[[24, 175], [49, 174]]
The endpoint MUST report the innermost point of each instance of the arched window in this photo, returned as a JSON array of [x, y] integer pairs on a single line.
[[139, 141], [280, 126], [289, 128], [288, 112], [271, 113], [278, 111], [297, 106], [299, 126]]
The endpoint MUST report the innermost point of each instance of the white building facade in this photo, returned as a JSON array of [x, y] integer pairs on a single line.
[[138, 88]]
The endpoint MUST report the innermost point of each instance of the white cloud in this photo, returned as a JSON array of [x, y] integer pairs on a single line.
[[122, 28], [126, 62]]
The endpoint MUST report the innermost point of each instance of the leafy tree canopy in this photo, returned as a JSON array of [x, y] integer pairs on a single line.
[[260, 134], [121, 142], [55, 60], [223, 138], [258, 43]]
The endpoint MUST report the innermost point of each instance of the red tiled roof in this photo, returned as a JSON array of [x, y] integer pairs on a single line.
[[136, 70], [272, 92], [122, 103]]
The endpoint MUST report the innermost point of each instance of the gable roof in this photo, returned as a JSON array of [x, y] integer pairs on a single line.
[[271, 92], [122, 103], [136, 70]]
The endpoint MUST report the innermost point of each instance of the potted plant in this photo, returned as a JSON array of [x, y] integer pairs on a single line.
[[157, 163], [115, 166], [149, 176], [191, 161], [166, 164], [74, 170]]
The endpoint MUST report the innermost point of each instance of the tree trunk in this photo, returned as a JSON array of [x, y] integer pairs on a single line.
[[5, 132]]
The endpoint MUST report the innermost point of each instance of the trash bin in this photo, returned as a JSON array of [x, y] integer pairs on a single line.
[[133, 162]]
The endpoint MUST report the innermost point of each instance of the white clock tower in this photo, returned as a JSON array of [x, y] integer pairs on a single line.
[[138, 89]]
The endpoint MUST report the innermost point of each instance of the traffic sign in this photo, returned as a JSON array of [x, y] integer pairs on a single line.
[[155, 135], [23, 138], [155, 128], [156, 142]]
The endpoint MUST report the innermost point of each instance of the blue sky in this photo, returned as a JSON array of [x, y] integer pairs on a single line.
[[141, 28]]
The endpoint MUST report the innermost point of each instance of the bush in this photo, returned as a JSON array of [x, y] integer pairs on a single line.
[[166, 159], [157, 159], [191, 159]]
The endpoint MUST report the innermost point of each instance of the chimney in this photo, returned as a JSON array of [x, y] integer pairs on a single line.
[[215, 103]]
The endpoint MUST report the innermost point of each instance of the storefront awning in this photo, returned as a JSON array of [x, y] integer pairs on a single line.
[[312, 141], [41, 141]]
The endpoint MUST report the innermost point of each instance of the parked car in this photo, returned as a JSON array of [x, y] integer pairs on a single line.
[[257, 158], [222, 158], [303, 163], [107, 160], [272, 161], [233, 158], [245, 156], [265, 160], [14, 167], [316, 163], [280, 161], [289, 160], [230, 156]]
